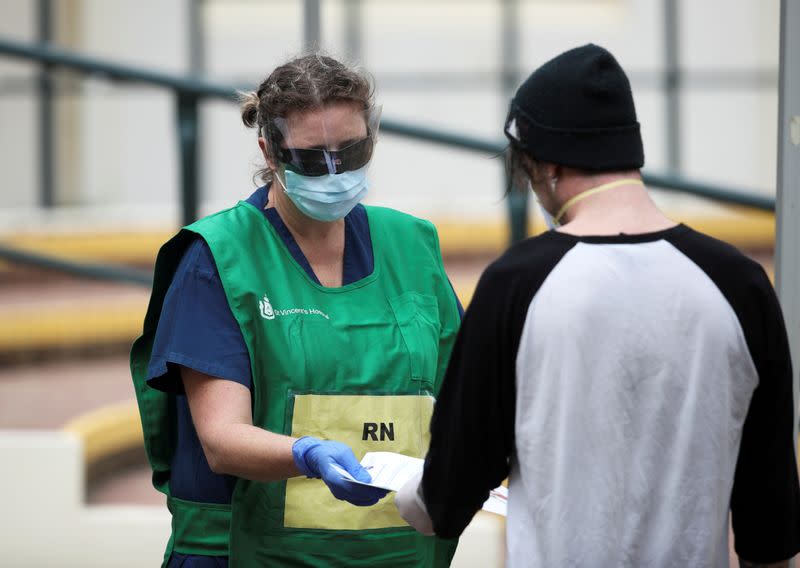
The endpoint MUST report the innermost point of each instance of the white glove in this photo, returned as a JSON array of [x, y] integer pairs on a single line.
[[412, 507]]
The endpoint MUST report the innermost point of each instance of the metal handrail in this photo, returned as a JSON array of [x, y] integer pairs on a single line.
[[56, 57], [194, 88], [104, 272], [190, 89], [742, 197]]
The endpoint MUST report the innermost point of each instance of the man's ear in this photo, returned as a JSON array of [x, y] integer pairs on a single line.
[[550, 170]]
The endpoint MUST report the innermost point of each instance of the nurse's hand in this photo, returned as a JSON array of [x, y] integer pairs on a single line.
[[315, 458]]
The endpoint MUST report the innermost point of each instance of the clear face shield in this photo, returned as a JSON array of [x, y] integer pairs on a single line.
[[322, 155], [330, 140]]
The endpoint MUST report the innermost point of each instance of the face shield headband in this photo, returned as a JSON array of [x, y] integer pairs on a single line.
[[315, 162]]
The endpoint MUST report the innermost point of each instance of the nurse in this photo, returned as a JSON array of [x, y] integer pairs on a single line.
[[289, 335]]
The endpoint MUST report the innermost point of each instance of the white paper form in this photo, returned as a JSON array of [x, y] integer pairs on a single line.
[[388, 470], [391, 471], [497, 502]]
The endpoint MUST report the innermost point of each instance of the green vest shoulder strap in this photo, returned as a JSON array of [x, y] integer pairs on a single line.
[[406, 236], [197, 528], [156, 407]]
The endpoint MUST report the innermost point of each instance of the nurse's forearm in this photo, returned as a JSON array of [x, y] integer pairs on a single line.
[[244, 450], [224, 423]]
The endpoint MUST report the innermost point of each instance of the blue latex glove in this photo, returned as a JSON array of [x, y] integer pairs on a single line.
[[314, 458]]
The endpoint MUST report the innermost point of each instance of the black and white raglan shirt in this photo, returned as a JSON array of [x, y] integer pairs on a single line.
[[634, 389]]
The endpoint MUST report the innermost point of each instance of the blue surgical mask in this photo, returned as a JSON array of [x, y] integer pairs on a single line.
[[326, 198]]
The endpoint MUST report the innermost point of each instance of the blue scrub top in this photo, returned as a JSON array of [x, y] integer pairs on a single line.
[[198, 330]]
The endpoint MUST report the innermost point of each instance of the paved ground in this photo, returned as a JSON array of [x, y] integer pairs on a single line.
[[45, 396]]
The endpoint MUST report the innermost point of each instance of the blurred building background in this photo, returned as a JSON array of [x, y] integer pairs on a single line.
[[95, 175], [705, 83]]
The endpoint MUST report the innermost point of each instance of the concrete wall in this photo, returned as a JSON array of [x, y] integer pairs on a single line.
[[44, 522]]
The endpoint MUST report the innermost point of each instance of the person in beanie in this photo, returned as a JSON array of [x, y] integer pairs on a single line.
[[630, 376]]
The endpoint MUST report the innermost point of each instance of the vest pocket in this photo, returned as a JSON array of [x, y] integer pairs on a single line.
[[199, 528], [366, 423], [417, 316]]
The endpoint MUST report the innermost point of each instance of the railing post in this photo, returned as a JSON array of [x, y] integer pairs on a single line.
[[312, 33], [518, 212], [196, 37], [672, 83], [352, 29], [188, 111], [47, 126], [509, 65]]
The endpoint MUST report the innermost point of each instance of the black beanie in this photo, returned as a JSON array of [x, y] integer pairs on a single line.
[[577, 110]]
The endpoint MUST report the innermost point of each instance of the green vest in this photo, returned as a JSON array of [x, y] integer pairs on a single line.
[[358, 363], [197, 528]]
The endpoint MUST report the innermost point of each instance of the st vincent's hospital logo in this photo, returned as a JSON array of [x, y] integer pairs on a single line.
[[266, 308], [268, 313]]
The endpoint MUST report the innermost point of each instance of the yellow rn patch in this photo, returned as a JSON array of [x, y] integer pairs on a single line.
[[390, 423]]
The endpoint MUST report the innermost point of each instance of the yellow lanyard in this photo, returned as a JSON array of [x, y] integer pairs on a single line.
[[590, 192]]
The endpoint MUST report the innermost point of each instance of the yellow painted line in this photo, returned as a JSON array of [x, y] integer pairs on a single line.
[[77, 325], [750, 229], [71, 325], [108, 431], [465, 291], [472, 238], [743, 228], [122, 247]]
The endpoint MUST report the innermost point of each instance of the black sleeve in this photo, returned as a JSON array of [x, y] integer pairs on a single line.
[[472, 430], [765, 501]]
